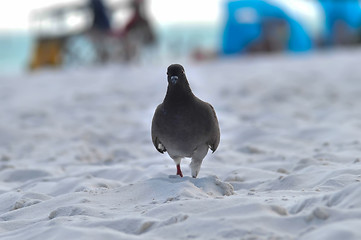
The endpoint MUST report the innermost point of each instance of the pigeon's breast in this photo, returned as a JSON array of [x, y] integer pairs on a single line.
[[184, 130]]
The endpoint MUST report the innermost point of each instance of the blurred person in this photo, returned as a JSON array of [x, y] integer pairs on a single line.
[[274, 36], [99, 28], [342, 22], [101, 20], [137, 31]]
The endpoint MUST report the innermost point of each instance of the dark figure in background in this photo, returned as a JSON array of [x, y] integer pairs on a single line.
[[274, 37], [100, 26], [100, 15], [138, 31]]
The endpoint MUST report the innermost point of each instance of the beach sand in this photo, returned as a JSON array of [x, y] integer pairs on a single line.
[[77, 161]]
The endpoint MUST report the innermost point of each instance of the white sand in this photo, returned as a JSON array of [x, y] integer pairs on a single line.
[[77, 162]]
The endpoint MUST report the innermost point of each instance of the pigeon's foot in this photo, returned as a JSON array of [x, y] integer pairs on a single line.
[[195, 167], [197, 158], [179, 171]]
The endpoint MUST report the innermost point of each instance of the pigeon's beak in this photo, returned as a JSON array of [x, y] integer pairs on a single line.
[[173, 79]]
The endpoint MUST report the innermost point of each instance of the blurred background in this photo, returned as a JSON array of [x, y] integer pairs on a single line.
[[38, 34]]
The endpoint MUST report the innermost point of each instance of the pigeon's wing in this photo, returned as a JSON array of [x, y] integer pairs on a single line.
[[158, 145], [215, 133], [155, 130]]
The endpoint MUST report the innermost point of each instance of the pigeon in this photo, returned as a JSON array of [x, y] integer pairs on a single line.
[[183, 125]]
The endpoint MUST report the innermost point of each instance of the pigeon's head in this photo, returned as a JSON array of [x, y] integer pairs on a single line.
[[176, 74]]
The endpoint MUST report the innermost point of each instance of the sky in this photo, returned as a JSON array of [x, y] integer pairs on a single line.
[[15, 14]]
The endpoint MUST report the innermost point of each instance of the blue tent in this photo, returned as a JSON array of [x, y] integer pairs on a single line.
[[244, 26]]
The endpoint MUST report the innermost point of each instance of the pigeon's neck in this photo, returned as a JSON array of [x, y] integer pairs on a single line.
[[178, 95]]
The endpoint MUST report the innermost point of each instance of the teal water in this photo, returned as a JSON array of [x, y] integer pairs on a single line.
[[15, 50], [181, 40]]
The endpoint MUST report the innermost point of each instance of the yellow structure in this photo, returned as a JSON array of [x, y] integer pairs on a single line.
[[47, 52]]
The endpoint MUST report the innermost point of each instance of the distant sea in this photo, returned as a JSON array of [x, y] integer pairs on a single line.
[[15, 50], [176, 41]]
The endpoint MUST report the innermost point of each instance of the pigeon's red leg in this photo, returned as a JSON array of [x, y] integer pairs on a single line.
[[179, 171]]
